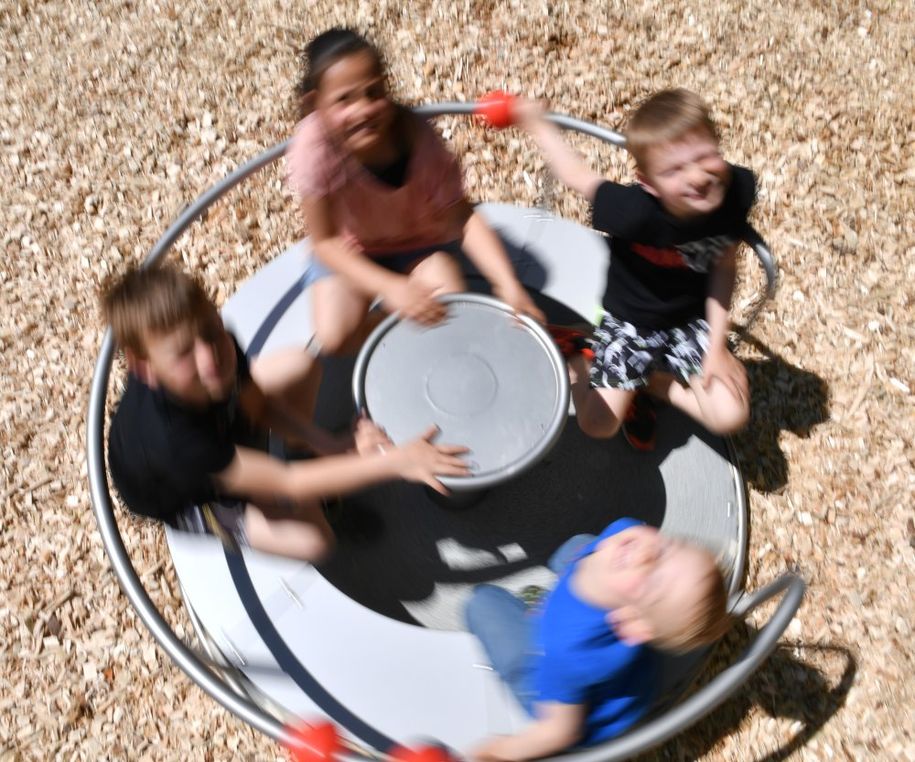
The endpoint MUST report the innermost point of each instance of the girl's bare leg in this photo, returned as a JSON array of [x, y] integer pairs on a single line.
[[340, 316], [292, 374], [440, 272]]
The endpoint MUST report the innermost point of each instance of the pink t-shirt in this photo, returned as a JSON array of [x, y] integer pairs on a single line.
[[379, 217]]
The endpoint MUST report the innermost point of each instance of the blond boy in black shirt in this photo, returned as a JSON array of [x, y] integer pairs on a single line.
[[186, 441], [673, 238]]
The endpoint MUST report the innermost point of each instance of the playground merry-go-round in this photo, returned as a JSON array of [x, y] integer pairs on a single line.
[[372, 640]]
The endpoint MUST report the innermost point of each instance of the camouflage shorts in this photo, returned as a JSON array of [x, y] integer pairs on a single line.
[[624, 356]]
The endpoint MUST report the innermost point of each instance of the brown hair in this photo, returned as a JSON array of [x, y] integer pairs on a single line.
[[664, 117], [151, 299], [708, 619], [323, 52]]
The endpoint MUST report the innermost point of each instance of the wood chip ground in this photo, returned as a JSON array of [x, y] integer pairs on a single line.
[[114, 115]]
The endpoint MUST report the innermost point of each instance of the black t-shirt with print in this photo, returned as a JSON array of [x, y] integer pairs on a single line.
[[162, 452], [659, 265]]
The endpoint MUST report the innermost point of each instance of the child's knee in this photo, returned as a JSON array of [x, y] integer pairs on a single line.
[[277, 372], [728, 418], [441, 272], [321, 547], [598, 427], [312, 543], [330, 338], [297, 534], [600, 411]]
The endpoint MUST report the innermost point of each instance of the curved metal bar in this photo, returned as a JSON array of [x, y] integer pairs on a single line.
[[684, 714], [750, 601], [755, 241], [561, 120], [210, 197], [764, 255], [651, 734], [130, 582]]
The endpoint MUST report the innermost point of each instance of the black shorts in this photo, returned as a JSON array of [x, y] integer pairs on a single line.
[[223, 518], [401, 262], [624, 356]]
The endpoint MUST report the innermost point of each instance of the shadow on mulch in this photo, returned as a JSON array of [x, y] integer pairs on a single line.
[[785, 686], [783, 397]]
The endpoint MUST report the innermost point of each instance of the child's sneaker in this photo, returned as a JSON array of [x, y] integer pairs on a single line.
[[532, 595], [640, 423], [571, 341]]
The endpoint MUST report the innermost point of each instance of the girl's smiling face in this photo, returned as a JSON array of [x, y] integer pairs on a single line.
[[352, 100]]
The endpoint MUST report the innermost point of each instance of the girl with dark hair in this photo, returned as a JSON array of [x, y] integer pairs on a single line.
[[383, 198]]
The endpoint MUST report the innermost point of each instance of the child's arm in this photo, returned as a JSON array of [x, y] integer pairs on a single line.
[[400, 294], [557, 728], [365, 437], [564, 162], [719, 362], [257, 475], [264, 404], [289, 422], [485, 250]]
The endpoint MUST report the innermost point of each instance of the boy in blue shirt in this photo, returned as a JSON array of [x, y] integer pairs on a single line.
[[581, 665]]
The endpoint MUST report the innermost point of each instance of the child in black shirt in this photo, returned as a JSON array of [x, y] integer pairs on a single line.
[[673, 238], [186, 441]]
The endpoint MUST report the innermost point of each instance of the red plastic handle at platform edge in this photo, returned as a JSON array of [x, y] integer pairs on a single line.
[[318, 742], [495, 108], [420, 754]]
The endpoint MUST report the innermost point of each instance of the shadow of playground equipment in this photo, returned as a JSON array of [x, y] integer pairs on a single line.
[[397, 546], [404, 555], [783, 397], [411, 558], [789, 686]]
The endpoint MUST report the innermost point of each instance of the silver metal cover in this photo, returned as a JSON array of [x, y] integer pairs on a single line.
[[489, 379]]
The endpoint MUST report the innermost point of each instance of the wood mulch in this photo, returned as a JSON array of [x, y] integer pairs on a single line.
[[114, 115]]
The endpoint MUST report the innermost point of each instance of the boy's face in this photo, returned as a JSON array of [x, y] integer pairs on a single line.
[[651, 582], [688, 176], [194, 362]]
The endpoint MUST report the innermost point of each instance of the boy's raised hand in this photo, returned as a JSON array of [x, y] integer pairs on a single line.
[[414, 300], [422, 461], [526, 112], [564, 162]]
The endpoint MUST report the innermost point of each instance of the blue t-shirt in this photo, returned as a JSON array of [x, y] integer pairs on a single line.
[[582, 661]]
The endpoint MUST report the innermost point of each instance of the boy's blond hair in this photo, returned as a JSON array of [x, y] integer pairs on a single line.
[[153, 299], [708, 620], [664, 117]]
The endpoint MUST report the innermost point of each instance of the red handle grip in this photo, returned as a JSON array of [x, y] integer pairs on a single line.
[[495, 108]]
